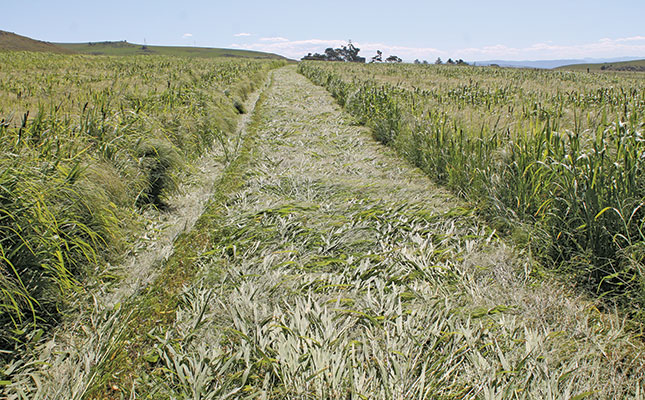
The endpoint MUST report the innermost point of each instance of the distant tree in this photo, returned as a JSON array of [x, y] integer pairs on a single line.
[[393, 59], [450, 62], [461, 62], [425, 62], [333, 54], [378, 57], [417, 61], [347, 53], [315, 57], [438, 62]]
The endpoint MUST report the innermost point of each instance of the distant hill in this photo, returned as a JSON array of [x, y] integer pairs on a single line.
[[549, 64], [124, 48], [636, 65], [10, 41]]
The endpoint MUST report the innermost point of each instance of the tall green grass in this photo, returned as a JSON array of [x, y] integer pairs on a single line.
[[86, 143], [553, 158]]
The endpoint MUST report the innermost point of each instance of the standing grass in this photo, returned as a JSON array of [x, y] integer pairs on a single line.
[[553, 158], [86, 143]]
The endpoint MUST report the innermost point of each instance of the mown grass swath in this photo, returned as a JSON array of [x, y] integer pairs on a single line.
[[85, 144], [554, 158]]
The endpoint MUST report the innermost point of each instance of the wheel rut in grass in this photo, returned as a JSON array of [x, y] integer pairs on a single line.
[[184, 209], [339, 271], [75, 359]]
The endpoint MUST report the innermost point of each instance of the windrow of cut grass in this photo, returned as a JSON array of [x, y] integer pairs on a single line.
[[86, 144], [553, 158]]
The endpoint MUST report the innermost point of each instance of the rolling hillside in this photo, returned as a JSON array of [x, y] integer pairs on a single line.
[[637, 65], [10, 41], [124, 48]]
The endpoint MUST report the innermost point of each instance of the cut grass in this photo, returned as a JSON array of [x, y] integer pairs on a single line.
[[316, 287], [552, 158], [353, 279]]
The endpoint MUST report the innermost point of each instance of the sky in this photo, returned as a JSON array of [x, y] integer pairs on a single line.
[[424, 30]]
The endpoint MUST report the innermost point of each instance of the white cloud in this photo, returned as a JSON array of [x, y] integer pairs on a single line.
[[187, 35], [603, 48], [632, 39], [274, 39], [242, 34]]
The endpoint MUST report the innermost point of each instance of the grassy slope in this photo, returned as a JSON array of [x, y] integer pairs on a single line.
[[637, 65], [125, 48], [12, 42]]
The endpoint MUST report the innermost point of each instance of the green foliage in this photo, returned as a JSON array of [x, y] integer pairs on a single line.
[[98, 140], [561, 153]]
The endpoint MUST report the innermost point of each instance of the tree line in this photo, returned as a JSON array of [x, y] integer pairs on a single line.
[[349, 53]]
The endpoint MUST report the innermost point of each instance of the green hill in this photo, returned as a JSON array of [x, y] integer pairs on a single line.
[[124, 48], [637, 65], [10, 41]]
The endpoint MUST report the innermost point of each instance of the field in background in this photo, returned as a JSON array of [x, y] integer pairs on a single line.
[[629, 66], [552, 158], [10, 41], [86, 144], [127, 49]]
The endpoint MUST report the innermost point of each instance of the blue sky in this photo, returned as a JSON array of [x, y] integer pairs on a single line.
[[472, 30]]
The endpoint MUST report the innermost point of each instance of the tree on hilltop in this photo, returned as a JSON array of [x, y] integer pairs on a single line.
[[347, 53]]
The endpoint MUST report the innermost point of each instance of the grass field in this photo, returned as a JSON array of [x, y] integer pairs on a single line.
[[489, 244], [10, 41], [628, 66], [552, 158], [87, 145], [128, 49], [327, 267]]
